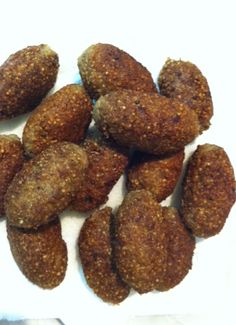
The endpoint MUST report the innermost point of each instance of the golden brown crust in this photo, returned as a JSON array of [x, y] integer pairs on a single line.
[[158, 175], [106, 164], [25, 78], [185, 82], [147, 122], [140, 246], [180, 247], [63, 116], [105, 68], [40, 254], [46, 185], [96, 253], [11, 161], [208, 190]]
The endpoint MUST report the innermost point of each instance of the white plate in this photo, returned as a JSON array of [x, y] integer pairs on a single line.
[[151, 31]]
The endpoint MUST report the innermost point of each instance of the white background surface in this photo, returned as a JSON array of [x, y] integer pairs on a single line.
[[199, 31]]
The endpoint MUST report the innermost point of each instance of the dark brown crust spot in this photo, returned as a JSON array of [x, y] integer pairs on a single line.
[[40, 254], [25, 78], [185, 82], [105, 68], [96, 253], [208, 190], [63, 116]]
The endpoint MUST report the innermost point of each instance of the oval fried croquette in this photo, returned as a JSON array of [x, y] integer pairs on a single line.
[[208, 190], [40, 254], [159, 175], [96, 253], [46, 185], [11, 161], [105, 68], [25, 78], [180, 247], [185, 82], [146, 122], [63, 116], [140, 245], [106, 164]]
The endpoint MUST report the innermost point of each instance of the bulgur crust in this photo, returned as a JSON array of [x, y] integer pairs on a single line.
[[180, 248], [11, 161], [46, 185], [96, 253], [208, 190], [40, 254], [105, 68], [63, 116], [107, 162], [146, 122], [140, 246], [184, 81], [25, 78], [159, 175]]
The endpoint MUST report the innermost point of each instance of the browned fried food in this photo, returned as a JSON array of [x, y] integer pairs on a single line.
[[184, 81], [63, 116], [11, 161], [106, 164], [96, 253], [208, 190], [46, 185], [180, 247], [146, 122], [158, 175], [140, 245], [25, 78], [105, 68], [40, 254]]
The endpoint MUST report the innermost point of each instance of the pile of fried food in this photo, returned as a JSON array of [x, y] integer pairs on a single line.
[[141, 129]]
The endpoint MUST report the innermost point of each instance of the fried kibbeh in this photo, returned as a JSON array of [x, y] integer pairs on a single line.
[[40, 254], [208, 190], [105, 68], [63, 116], [11, 161], [46, 185], [184, 81], [180, 249], [146, 122], [158, 175], [25, 78], [106, 164], [140, 243], [96, 254]]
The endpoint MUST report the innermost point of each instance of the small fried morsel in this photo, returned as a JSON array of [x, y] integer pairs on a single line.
[[11, 161], [25, 78], [63, 116], [105, 68], [158, 175], [184, 81], [180, 247], [140, 245], [106, 164], [147, 122], [46, 185], [208, 190], [40, 254], [96, 253]]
